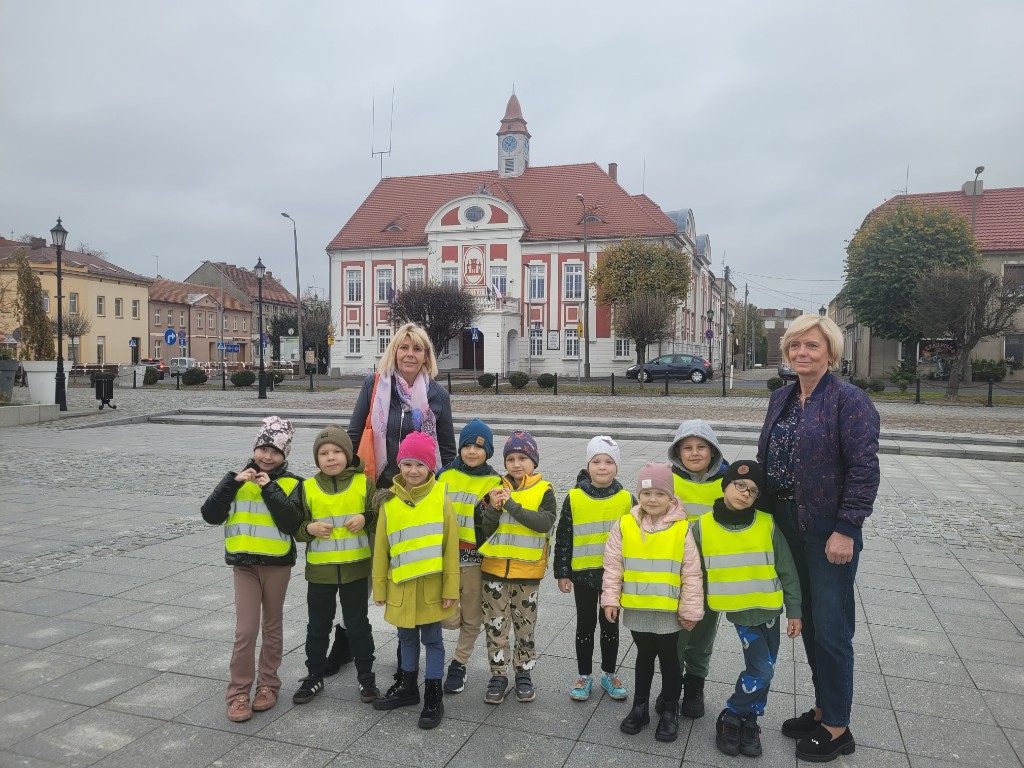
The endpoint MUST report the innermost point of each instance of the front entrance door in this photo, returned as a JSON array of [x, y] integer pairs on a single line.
[[472, 352]]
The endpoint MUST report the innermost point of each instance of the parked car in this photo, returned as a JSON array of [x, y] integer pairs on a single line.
[[691, 367], [786, 373], [159, 365], [181, 364]]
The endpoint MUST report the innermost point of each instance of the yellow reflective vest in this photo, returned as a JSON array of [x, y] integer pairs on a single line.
[[415, 535], [512, 540], [335, 508], [592, 521], [740, 565], [697, 498], [250, 528], [651, 565], [464, 491]]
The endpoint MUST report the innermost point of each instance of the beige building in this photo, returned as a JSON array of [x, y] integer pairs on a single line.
[[114, 300], [194, 312]]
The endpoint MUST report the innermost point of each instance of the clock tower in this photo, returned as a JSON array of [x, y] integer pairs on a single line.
[[513, 141]]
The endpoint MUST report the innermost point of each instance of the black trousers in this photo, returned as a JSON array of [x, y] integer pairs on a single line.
[[588, 614], [649, 647], [322, 601]]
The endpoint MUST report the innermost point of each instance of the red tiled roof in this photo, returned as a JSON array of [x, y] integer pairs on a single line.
[[545, 197], [1000, 214], [245, 279], [173, 292], [94, 265]]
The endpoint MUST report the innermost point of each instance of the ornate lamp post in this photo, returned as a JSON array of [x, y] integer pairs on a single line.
[[60, 236], [711, 336], [586, 292], [260, 271]]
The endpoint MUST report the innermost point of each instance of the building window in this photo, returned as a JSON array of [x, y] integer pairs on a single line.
[[574, 281], [450, 276], [73, 303], [499, 280], [244, 323], [572, 343], [1014, 347], [385, 285], [383, 339], [1013, 274], [211, 321], [156, 317], [118, 307], [199, 320], [156, 349], [100, 344], [622, 347], [354, 283], [182, 323], [46, 301], [234, 323], [536, 341], [101, 306], [136, 309], [353, 341], [414, 277], [474, 214], [537, 279]]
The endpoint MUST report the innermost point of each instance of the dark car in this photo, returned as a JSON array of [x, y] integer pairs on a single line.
[[691, 367], [159, 365], [786, 373]]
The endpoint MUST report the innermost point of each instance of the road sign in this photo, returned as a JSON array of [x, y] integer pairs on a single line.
[[132, 343], [234, 347], [220, 345], [709, 334], [330, 341], [579, 330], [181, 336], [181, 341], [171, 337], [476, 333]]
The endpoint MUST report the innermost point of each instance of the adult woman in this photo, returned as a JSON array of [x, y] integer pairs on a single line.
[[402, 397], [819, 444]]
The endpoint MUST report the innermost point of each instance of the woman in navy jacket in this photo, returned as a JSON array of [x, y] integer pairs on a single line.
[[819, 444]]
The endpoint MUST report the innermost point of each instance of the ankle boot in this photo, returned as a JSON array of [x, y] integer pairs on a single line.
[[668, 725], [692, 704], [637, 718], [404, 693], [433, 705], [398, 657], [340, 654]]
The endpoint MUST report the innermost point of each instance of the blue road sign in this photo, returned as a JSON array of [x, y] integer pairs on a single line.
[[181, 341], [709, 334], [234, 347], [171, 337], [220, 345], [476, 333], [181, 335], [132, 343]]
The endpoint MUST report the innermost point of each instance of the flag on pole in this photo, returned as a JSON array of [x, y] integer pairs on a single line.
[[497, 292]]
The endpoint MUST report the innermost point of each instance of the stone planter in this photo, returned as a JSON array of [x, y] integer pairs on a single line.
[[42, 380], [7, 370]]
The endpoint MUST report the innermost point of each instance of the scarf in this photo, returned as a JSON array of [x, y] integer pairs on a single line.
[[414, 406]]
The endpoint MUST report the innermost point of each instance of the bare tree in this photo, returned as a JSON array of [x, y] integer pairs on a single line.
[[646, 318], [444, 311], [965, 304], [75, 327], [84, 247]]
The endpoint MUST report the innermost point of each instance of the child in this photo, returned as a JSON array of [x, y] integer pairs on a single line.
[[750, 575], [652, 570], [597, 501], [338, 521], [697, 469], [515, 523], [469, 477], [416, 573], [258, 544]]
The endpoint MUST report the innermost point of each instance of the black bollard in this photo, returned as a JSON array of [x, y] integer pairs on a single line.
[[666, 385], [556, 383], [613, 382], [223, 379], [135, 376], [989, 403], [917, 390], [449, 382], [177, 381], [496, 384], [310, 379]]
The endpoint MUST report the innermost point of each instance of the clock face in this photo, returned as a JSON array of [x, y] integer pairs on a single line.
[[508, 144]]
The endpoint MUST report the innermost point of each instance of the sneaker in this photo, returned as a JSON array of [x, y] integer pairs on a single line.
[[524, 687], [581, 691], [821, 747], [266, 698], [311, 686], [798, 727], [455, 681], [238, 709], [727, 733], [368, 690], [613, 687], [497, 689], [750, 737]]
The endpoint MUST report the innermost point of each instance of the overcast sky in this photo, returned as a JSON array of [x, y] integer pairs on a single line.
[[181, 130]]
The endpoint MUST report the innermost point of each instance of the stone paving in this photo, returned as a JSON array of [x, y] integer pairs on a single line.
[[116, 621]]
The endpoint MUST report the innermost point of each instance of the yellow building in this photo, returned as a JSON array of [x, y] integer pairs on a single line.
[[114, 301]]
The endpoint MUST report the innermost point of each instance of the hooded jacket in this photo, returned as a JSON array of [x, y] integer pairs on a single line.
[[697, 428]]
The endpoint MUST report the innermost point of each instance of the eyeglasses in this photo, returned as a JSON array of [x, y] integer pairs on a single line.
[[750, 490]]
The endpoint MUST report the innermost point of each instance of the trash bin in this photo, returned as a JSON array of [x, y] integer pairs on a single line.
[[105, 392]]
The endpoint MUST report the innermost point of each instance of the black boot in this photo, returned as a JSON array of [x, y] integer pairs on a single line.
[[398, 663], [340, 654], [433, 705], [692, 704], [668, 725], [404, 693], [637, 718]]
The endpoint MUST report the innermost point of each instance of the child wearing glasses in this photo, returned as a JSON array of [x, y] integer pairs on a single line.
[[749, 575]]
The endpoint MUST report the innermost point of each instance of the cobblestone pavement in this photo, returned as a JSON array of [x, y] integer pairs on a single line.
[[116, 620]]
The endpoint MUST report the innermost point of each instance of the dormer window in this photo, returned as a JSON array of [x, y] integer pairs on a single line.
[[392, 228]]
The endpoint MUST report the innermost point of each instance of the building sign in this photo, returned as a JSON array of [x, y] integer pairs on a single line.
[[554, 338], [473, 266]]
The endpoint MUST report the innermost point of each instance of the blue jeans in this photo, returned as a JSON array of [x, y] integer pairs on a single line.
[[760, 651], [430, 636], [828, 605]]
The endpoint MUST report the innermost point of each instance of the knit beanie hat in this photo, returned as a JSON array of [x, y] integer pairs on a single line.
[[744, 470], [604, 444], [276, 433], [656, 475], [334, 435], [418, 446], [523, 442], [477, 433]]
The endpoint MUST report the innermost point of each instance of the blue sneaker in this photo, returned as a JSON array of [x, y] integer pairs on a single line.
[[581, 691], [613, 686]]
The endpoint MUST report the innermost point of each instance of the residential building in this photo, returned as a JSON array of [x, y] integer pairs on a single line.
[[196, 317], [113, 299], [776, 323]]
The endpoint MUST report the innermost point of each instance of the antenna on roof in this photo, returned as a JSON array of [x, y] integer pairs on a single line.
[[391, 126]]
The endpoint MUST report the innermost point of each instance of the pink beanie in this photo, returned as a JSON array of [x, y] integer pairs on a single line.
[[657, 476], [420, 447]]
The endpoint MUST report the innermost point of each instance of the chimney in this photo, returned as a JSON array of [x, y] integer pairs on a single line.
[[613, 171], [969, 187], [36, 243]]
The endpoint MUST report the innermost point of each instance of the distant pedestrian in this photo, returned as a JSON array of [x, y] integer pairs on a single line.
[[258, 544]]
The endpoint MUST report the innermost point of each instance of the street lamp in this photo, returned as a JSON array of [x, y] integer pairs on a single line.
[[298, 296], [974, 198], [711, 335], [822, 310], [586, 293], [60, 236], [260, 271]]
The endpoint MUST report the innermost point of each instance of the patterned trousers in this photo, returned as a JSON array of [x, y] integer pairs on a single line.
[[510, 606]]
